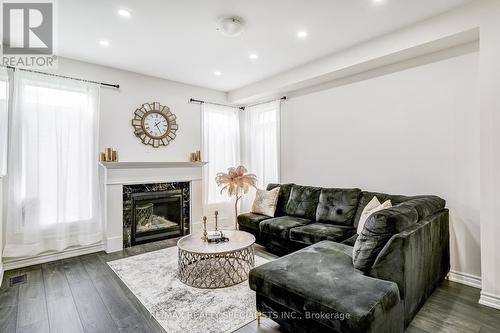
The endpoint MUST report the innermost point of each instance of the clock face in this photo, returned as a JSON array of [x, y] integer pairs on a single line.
[[154, 124]]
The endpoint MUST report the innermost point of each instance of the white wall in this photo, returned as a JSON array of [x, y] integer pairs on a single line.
[[410, 132], [118, 106]]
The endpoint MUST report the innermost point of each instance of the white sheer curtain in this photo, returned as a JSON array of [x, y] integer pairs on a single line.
[[4, 119], [53, 196], [260, 145], [221, 149]]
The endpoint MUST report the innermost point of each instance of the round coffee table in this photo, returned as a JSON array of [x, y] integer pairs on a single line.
[[210, 265]]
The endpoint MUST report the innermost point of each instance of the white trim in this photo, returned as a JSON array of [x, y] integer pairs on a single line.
[[490, 300], [40, 259], [151, 165], [154, 181], [464, 278], [1, 273], [114, 244]]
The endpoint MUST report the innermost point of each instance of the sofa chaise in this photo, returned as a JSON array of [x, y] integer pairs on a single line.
[[332, 280]]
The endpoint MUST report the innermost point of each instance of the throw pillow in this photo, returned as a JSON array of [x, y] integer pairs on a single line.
[[373, 206], [265, 202], [379, 228]]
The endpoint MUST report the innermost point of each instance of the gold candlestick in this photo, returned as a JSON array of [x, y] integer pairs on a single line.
[[216, 214], [204, 229]]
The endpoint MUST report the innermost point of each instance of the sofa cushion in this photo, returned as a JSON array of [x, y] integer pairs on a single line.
[[251, 220], [378, 229], [283, 197], [322, 279], [426, 205], [366, 197], [280, 226], [303, 202], [317, 232], [337, 206]]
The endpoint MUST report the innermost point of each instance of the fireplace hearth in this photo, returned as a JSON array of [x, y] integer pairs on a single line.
[[153, 212]]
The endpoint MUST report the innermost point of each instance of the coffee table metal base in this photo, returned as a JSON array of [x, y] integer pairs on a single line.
[[215, 270]]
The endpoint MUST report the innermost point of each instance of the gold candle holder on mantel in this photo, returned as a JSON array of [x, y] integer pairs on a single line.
[[109, 155], [195, 157]]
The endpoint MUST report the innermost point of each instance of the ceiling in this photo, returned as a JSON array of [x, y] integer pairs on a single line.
[[177, 39]]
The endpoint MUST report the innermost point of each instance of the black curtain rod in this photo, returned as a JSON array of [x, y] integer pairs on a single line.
[[192, 100], [279, 99], [117, 86]]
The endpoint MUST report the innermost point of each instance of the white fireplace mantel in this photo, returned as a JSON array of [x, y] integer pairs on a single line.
[[151, 165], [113, 175], [150, 172]]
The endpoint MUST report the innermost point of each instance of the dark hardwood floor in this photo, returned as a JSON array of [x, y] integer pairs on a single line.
[[83, 294]]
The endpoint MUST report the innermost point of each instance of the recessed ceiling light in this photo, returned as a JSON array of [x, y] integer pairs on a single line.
[[217, 73], [302, 34], [104, 42], [124, 13], [378, 2], [253, 56]]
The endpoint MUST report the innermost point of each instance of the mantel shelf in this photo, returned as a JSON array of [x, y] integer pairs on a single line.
[[151, 165]]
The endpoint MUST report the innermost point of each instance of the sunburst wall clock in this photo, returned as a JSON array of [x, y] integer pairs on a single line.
[[154, 124]]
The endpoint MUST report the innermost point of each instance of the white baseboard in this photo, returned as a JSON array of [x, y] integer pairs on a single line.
[[486, 299], [1, 273], [114, 244], [464, 278], [490, 300], [41, 259]]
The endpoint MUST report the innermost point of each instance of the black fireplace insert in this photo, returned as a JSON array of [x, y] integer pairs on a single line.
[[156, 216], [155, 212]]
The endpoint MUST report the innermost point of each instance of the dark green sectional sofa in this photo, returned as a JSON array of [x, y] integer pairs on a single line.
[[332, 280]]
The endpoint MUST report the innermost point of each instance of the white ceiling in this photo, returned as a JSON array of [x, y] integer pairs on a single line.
[[177, 40]]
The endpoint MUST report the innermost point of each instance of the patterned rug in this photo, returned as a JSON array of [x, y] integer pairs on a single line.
[[152, 278]]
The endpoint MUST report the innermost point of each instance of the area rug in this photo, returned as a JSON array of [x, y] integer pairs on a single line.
[[152, 278]]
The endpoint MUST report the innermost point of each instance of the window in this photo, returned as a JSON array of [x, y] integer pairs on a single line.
[[261, 142], [53, 197], [260, 146], [221, 147], [259, 150], [58, 128]]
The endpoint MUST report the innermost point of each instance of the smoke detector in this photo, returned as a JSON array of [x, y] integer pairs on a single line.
[[230, 26]]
